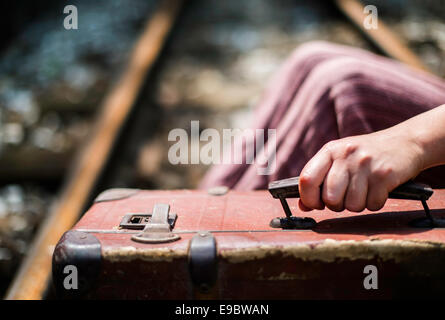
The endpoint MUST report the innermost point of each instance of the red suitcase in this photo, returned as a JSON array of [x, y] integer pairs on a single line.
[[220, 244]]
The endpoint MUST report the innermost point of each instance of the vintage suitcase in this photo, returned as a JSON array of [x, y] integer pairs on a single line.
[[136, 244]]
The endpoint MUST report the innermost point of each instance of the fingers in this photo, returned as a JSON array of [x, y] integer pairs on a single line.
[[304, 208], [376, 197], [311, 179], [356, 195], [343, 176], [335, 186], [341, 191]]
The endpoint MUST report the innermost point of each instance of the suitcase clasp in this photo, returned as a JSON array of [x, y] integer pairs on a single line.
[[138, 221], [158, 228]]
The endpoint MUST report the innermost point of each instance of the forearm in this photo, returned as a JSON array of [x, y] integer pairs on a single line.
[[428, 132]]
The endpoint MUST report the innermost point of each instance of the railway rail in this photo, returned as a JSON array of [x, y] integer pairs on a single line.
[[31, 280]]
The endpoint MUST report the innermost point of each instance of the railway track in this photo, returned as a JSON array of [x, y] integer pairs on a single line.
[[31, 280], [87, 174]]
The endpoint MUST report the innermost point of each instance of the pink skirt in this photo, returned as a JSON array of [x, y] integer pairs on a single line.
[[325, 92]]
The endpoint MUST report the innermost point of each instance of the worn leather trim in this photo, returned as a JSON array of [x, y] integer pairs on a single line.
[[83, 251], [203, 261], [115, 194]]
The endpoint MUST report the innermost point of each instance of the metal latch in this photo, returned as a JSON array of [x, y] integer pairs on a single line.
[[157, 229], [137, 221]]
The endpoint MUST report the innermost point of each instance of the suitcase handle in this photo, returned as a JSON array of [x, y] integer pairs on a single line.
[[289, 188]]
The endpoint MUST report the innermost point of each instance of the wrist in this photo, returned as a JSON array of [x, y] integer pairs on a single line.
[[422, 145], [428, 134]]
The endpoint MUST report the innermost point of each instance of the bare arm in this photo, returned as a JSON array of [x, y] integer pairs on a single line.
[[358, 172]]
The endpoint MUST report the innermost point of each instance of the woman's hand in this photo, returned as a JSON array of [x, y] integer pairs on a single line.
[[358, 172]]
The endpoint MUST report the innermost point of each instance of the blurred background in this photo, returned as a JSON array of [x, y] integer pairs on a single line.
[[214, 67]]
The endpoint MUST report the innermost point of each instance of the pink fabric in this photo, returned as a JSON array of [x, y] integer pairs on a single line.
[[325, 92]]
